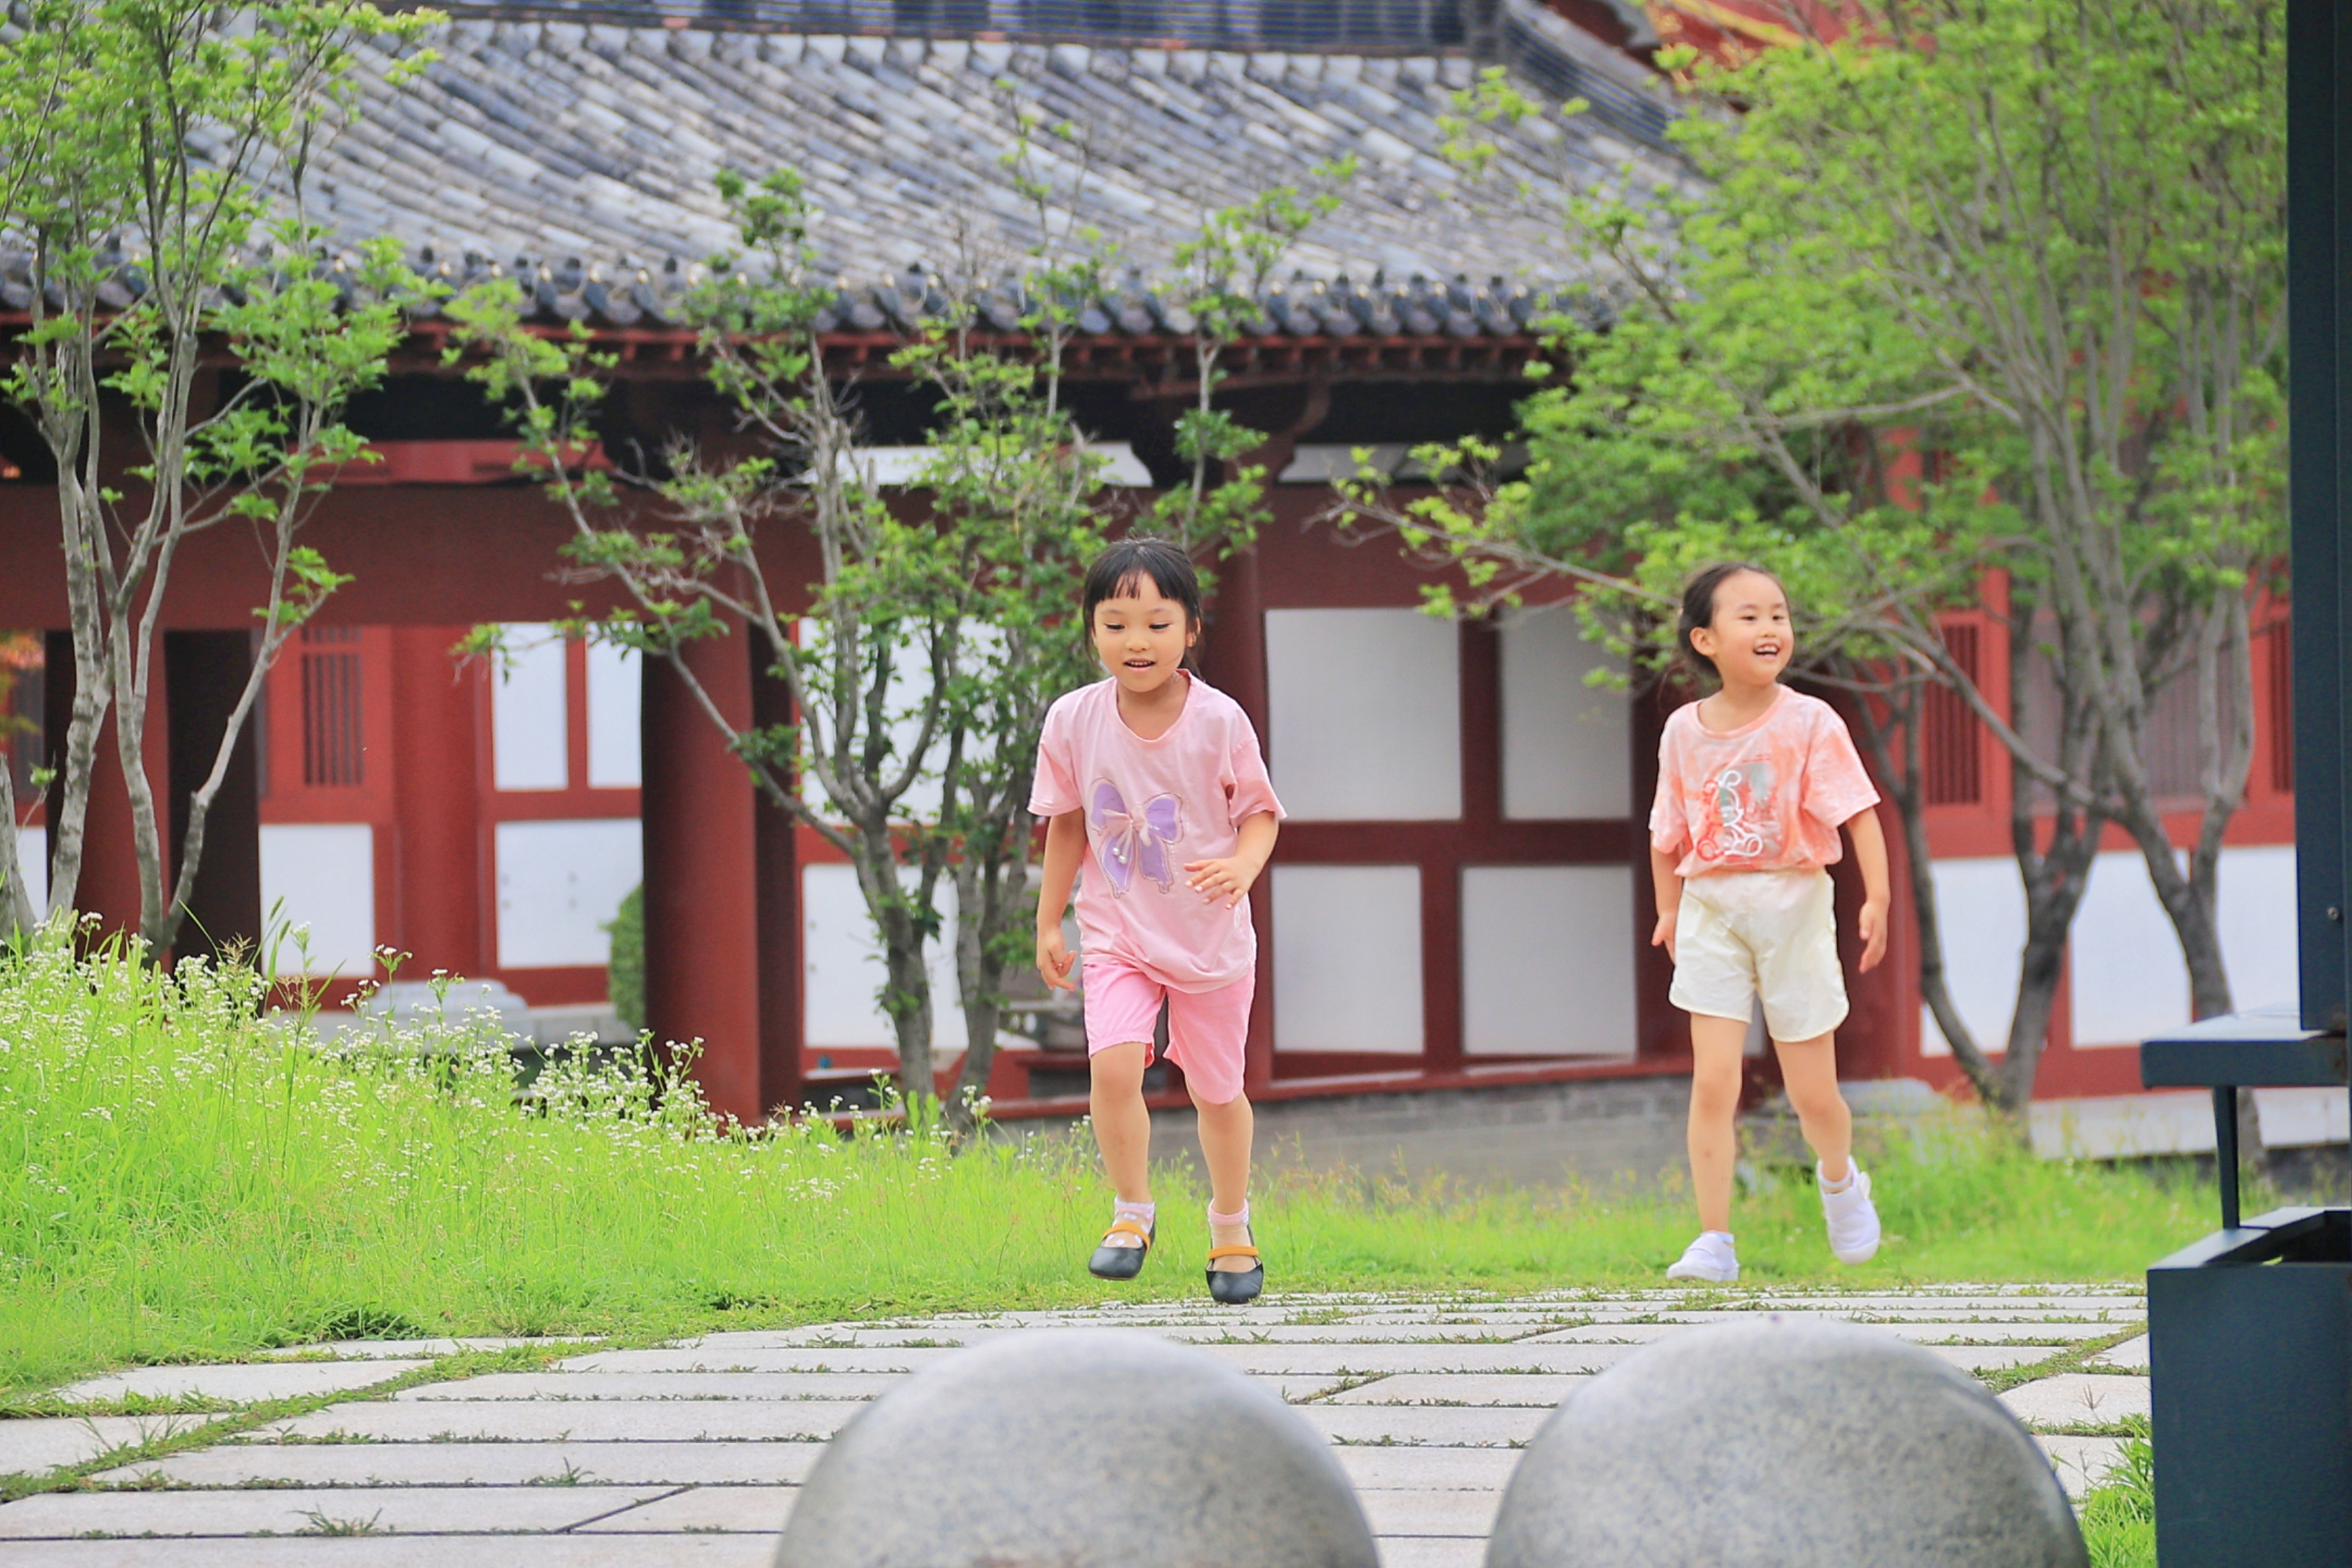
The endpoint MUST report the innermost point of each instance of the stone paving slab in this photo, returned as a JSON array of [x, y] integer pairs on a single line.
[[699, 1446], [1299, 1361], [754, 1510], [48, 1442], [382, 1350], [1428, 1469], [578, 1421], [239, 1384], [2082, 1463], [2078, 1399], [580, 1551], [478, 1464], [1542, 1391], [1429, 1426], [723, 1358], [393, 1511], [1462, 1513], [2129, 1356], [1431, 1551], [771, 1386]]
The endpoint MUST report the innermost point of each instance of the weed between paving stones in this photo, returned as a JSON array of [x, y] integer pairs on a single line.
[[263, 1412]]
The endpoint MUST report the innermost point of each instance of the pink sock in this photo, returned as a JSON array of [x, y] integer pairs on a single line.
[[1241, 1218]]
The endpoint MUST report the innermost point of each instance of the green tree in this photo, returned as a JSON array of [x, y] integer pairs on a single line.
[[151, 160], [2038, 243], [921, 668]]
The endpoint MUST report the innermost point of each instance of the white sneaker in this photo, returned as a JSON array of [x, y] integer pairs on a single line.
[[1853, 1221], [1709, 1258]]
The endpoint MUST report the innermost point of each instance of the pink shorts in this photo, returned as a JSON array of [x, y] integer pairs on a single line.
[[1206, 1030]]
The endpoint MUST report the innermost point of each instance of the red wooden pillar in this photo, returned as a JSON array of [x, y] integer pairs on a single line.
[[704, 937], [437, 851], [777, 894], [1236, 663]]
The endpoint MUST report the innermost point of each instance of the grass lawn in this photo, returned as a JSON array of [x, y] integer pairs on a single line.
[[182, 1181]]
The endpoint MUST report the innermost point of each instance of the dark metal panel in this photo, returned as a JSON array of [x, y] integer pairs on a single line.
[[2250, 1361], [2319, 130]]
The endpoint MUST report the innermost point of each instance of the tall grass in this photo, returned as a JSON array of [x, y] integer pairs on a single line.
[[184, 1177]]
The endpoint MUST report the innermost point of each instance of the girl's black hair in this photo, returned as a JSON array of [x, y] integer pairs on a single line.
[[1698, 608], [1130, 563]]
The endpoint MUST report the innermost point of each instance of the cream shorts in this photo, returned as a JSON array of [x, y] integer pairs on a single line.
[[1741, 935]]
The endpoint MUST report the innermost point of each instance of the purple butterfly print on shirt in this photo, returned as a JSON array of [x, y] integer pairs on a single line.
[[1137, 839]]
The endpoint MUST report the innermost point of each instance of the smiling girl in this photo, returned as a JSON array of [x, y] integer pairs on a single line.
[[1754, 782], [1153, 780]]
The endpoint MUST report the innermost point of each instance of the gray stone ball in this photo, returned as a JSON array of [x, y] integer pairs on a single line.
[[1087, 1448], [1784, 1444]]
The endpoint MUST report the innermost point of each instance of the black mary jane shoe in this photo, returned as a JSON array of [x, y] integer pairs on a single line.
[[1234, 1287], [1122, 1262]]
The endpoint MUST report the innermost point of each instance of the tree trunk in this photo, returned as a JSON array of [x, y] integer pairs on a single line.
[[907, 983], [2054, 878], [1903, 715], [17, 916], [93, 694], [979, 978]]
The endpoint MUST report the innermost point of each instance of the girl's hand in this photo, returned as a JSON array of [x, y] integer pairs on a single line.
[[1053, 960], [1872, 927], [1665, 935], [1229, 878]]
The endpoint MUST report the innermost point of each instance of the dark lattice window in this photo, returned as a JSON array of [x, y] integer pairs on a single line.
[[330, 706], [1952, 741]]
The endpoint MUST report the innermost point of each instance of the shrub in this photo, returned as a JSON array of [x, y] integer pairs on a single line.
[[624, 976]]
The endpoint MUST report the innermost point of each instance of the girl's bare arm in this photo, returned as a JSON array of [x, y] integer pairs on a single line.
[[1667, 886], [1870, 859], [1065, 843]]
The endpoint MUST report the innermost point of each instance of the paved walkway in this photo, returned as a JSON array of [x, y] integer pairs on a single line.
[[691, 1452]]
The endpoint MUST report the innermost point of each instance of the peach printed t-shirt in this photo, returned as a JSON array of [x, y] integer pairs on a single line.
[[1767, 797], [1151, 807]]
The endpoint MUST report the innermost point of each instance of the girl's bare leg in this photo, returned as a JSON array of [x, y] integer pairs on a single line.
[[1227, 1132], [1808, 1069], [1716, 1045], [1123, 1125]]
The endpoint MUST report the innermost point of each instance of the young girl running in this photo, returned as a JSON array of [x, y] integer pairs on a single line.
[[1754, 782], [1154, 780]]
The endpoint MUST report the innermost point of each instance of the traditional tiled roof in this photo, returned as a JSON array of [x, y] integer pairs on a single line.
[[580, 156]]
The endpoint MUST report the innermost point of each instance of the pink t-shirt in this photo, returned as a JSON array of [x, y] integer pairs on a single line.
[[1767, 797], [1151, 807]]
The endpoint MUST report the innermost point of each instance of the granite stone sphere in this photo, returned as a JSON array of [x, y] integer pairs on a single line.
[[1089, 1448], [1783, 1445]]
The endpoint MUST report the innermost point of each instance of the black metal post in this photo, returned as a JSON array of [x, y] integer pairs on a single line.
[[2225, 1150]]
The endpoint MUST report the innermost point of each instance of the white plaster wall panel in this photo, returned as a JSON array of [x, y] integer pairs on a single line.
[[910, 687], [2302, 1118], [1566, 745], [1347, 958], [1546, 960], [559, 884], [615, 698], [2256, 911], [320, 877], [33, 864], [2127, 976], [531, 735], [841, 970], [1364, 714], [1980, 907]]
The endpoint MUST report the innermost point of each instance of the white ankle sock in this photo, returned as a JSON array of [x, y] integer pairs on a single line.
[[1830, 1186], [1216, 1218], [1722, 1236], [1141, 1214]]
